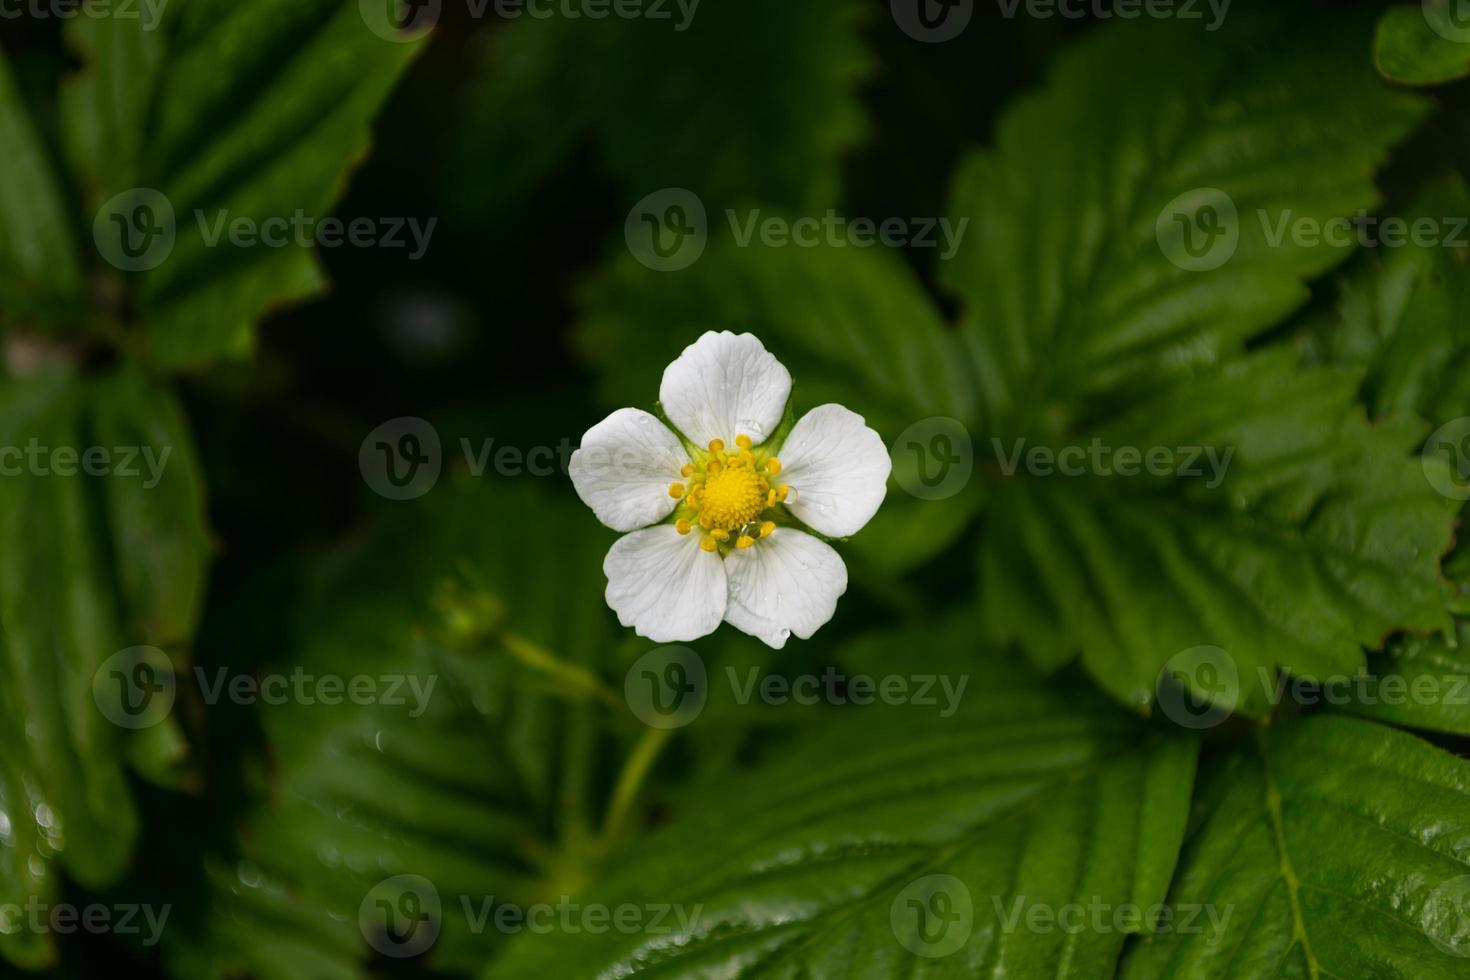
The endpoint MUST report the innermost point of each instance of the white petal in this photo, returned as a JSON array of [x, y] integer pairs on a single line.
[[837, 469], [662, 584], [724, 386], [624, 467], [788, 582]]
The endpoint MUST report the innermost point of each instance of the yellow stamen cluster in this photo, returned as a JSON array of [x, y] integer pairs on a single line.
[[726, 494]]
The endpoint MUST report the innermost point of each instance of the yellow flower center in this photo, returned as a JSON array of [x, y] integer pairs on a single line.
[[727, 494], [733, 498]]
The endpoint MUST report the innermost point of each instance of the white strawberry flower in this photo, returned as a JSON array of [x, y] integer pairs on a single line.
[[734, 550]]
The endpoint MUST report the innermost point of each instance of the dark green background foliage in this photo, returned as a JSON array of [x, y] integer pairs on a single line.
[[1324, 551]]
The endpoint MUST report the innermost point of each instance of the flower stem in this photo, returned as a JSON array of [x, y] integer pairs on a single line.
[[581, 680], [630, 782]]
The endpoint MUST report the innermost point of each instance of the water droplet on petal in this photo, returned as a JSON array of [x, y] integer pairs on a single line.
[[248, 874]]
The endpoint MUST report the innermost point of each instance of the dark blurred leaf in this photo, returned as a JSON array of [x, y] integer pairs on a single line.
[[1400, 317], [1423, 44], [743, 98], [1335, 848], [77, 553], [38, 254], [852, 325], [1402, 309], [497, 769], [800, 867], [159, 538], [255, 111], [1420, 682]]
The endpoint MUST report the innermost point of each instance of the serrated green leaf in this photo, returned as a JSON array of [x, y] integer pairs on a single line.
[[1326, 845], [1309, 534], [298, 83], [1424, 44], [1041, 797], [1321, 537], [1069, 296]]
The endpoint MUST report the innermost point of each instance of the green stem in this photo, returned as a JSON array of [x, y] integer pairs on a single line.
[[630, 782], [581, 680]]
